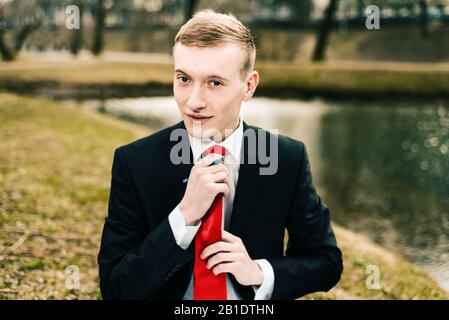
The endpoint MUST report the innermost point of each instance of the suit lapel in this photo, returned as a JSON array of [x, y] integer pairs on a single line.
[[247, 184], [180, 172]]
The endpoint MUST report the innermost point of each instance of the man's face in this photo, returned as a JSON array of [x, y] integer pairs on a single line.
[[208, 87]]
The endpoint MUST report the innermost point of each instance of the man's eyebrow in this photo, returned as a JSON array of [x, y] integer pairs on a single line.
[[180, 71], [215, 76]]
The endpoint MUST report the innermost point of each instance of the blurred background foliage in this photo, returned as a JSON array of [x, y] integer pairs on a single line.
[[301, 28]]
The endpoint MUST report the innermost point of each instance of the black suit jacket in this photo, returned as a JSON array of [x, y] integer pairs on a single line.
[[139, 257]]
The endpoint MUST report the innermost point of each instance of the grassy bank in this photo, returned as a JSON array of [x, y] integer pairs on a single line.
[[137, 75], [54, 180]]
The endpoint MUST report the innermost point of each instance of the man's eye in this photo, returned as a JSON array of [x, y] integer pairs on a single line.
[[183, 79], [215, 83]]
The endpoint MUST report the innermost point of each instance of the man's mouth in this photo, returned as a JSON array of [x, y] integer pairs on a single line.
[[197, 119]]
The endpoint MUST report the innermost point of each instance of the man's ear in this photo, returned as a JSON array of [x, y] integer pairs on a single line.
[[251, 85]]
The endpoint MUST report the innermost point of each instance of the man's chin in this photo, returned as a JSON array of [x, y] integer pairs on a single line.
[[203, 131]]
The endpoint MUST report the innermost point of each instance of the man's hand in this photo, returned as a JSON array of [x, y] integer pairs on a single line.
[[204, 183], [230, 255]]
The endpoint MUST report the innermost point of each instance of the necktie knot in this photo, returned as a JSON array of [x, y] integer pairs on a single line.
[[216, 149]]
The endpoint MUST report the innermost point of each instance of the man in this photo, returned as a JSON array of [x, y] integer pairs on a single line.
[[212, 227]]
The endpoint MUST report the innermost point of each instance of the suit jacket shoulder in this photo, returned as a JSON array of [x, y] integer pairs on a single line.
[[291, 154], [157, 141]]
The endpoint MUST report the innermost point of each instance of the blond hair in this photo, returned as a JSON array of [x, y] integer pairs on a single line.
[[208, 28]]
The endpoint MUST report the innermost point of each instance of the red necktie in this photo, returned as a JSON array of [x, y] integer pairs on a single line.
[[206, 285]]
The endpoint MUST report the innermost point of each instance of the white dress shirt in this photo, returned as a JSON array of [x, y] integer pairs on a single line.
[[184, 234]]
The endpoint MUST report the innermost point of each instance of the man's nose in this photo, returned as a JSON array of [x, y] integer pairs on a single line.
[[196, 101]]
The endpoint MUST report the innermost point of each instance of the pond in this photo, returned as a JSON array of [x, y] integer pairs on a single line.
[[381, 167]]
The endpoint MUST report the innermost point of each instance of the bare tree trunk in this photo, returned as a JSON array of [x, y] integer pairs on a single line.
[[441, 7], [23, 33], [190, 9], [76, 42], [360, 8], [324, 32], [98, 41], [6, 53], [424, 19]]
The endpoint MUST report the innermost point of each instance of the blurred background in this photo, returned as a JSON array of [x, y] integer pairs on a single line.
[[371, 105]]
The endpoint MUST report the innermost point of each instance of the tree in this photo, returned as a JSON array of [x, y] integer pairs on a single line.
[[76, 42], [31, 16], [98, 41], [424, 18], [190, 9], [5, 51], [301, 10], [324, 31], [24, 32], [361, 8]]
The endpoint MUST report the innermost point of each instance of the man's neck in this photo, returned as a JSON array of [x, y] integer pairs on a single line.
[[226, 133]]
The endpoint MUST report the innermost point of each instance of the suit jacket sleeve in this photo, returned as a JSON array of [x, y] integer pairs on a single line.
[[134, 261], [312, 260]]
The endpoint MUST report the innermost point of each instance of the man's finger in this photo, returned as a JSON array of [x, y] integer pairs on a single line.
[[221, 187], [226, 267], [220, 177], [209, 159], [217, 168], [229, 237], [221, 257], [216, 247]]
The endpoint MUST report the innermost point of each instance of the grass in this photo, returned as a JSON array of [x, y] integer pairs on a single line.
[[107, 76], [399, 279], [55, 166]]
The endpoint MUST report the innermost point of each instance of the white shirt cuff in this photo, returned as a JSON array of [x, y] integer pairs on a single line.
[[183, 234], [265, 290]]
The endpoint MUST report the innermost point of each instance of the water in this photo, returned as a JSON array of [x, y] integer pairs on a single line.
[[381, 167]]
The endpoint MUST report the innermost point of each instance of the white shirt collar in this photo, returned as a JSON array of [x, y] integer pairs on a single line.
[[233, 143]]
